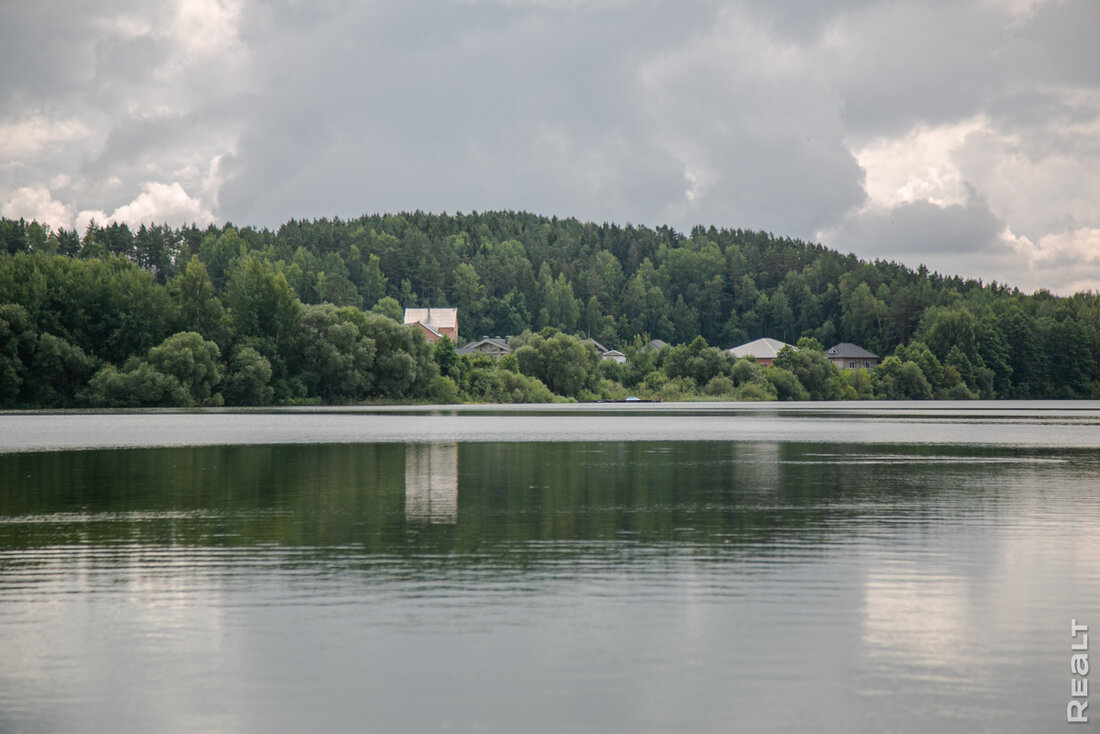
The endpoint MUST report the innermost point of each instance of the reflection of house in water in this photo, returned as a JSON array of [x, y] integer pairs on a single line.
[[431, 482]]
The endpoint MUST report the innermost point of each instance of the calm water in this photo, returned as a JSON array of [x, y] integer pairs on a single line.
[[885, 568]]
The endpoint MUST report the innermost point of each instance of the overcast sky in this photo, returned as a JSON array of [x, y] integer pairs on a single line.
[[963, 134]]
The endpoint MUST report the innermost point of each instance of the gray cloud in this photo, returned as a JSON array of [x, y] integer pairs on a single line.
[[918, 228], [742, 114]]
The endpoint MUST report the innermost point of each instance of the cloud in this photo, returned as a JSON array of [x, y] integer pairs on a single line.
[[755, 128], [29, 137], [37, 204], [913, 229], [917, 166], [158, 203], [964, 120], [1068, 261], [206, 28]]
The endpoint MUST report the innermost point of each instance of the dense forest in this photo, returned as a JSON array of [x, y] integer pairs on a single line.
[[311, 313]]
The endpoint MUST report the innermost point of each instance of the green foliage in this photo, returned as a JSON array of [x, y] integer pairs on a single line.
[[445, 356], [138, 385], [443, 390], [249, 379], [259, 300], [197, 306], [108, 308], [745, 371], [860, 385], [17, 340], [697, 361], [403, 365], [785, 384], [112, 294], [193, 362], [817, 375], [333, 355], [183, 371], [489, 384], [756, 392], [719, 386], [561, 362], [897, 380], [390, 308]]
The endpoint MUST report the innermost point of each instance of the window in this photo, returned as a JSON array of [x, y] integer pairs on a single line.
[[851, 365]]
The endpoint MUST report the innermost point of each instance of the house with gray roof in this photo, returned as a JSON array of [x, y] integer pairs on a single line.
[[848, 356], [763, 350], [493, 347]]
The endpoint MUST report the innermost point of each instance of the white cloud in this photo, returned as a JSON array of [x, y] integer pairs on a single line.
[[158, 203], [206, 28], [32, 135], [35, 203], [1068, 261], [918, 166]]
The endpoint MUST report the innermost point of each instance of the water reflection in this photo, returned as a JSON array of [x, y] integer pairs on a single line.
[[431, 483], [758, 464], [587, 586]]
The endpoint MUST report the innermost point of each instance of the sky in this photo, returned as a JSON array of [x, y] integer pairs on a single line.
[[959, 134]]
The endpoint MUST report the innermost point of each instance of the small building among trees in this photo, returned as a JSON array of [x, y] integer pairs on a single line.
[[762, 350], [435, 322], [493, 347], [848, 356]]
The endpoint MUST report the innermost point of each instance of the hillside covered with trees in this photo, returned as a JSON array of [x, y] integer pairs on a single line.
[[311, 312]]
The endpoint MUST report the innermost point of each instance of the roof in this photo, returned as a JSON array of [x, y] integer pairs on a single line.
[[844, 350], [421, 324], [486, 345], [434, 318], [761, 349], [656, 344]]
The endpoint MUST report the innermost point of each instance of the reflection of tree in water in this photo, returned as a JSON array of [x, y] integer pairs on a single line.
[[604, 497], [431, 483]]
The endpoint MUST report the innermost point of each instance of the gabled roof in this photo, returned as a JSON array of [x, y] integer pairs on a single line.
[[760, 348], [845, 350], [433, 318], [421, 324], [657, 344], [486, 345]]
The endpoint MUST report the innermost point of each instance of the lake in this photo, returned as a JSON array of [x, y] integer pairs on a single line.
[[866, 567]]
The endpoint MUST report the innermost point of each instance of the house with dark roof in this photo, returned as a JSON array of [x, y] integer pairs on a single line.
[[612, 354], [848, 356], [435, 322], [762, 350], [493, 347]]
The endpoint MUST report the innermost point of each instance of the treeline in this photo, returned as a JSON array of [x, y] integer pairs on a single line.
[[305, 313]]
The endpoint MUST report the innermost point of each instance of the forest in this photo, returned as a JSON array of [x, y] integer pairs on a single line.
[[311, 313]]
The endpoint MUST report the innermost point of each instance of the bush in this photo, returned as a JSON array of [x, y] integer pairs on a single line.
[[720, 385], [443, 390], [785, 384], [754, 391]]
